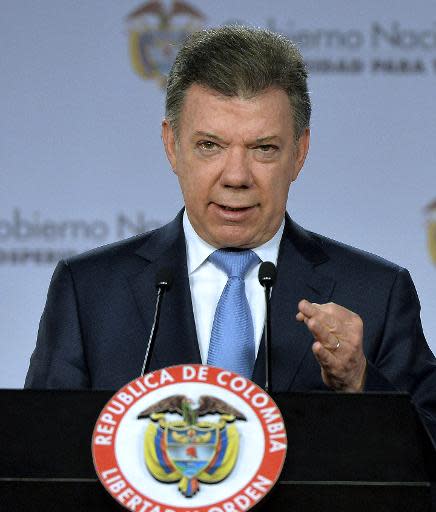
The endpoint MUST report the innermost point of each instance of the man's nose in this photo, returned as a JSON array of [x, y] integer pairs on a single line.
[[236, 171]]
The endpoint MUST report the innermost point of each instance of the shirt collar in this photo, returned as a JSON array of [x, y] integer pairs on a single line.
[[269, 251], [197, 250]]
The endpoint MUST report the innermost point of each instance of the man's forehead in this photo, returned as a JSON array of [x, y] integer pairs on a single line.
[[205, 111], [197, 90]]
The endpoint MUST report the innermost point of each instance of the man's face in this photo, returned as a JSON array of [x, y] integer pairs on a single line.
[[235, 160]]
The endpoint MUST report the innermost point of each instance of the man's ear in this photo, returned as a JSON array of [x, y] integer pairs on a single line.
[[169, 142], [301, 150]]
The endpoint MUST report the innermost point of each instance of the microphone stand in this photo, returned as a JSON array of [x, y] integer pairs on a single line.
[[164, 280], [153, 332], [267, 277], [267, 337]]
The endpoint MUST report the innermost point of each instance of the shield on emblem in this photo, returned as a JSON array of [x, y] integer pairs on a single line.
[[192, 448], [158, 49], [191, 451]]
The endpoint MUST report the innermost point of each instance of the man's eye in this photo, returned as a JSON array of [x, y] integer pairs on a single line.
[[267, 148], [207, 145]]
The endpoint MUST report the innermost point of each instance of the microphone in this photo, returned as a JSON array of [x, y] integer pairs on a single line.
[[164, 280], [267, 274], [267, 278]]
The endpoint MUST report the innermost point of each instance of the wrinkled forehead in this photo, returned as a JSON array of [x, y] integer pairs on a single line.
[[260, 115]]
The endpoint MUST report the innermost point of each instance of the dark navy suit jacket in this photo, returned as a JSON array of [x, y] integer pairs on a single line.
[[100, 305]]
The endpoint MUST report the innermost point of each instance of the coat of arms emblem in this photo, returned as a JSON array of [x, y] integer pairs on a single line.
[[189, 450], [189, 438], [155, 34]]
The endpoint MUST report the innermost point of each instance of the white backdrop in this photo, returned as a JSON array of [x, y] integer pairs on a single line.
[[81, 162]]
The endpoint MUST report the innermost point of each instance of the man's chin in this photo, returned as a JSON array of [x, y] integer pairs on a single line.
[[234, 237]]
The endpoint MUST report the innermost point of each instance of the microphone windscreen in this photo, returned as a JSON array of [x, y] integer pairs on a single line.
[[164, 278], [267, 274]]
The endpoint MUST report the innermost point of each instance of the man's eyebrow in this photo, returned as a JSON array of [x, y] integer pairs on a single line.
[[259, 140], [269, 138], [208, 135]]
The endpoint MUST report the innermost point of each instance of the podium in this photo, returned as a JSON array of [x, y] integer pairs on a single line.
[[359, 452]]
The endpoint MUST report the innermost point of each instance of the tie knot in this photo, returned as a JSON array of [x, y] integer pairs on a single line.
[[234, 263]]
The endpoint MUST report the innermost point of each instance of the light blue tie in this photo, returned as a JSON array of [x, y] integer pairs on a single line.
[[232, 338]]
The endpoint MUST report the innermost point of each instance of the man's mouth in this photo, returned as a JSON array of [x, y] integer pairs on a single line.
[[234, 209], [233, 213]]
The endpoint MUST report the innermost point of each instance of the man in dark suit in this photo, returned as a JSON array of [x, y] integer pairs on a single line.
[[236, 134]]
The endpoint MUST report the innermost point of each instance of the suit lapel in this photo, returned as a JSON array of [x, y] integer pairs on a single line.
[[298, 277], [176, 341]]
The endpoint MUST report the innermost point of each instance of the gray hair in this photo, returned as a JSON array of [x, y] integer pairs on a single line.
[[235, 60]]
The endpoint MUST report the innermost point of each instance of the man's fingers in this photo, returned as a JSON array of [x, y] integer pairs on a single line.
[[308, 308], [300, 317], [321, 330], [324, 357], [338, 346], [331, 322], [330, 310], [323, 313]]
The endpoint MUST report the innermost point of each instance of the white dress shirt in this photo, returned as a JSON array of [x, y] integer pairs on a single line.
[[207, 282]]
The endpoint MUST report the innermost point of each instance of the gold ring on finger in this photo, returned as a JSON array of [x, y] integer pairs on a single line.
[[338, 344]]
